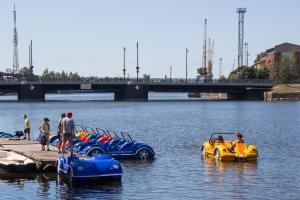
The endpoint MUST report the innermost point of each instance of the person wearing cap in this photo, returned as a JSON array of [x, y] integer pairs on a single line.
[[26, 127], [45, 132], [239, 139], [68, 131], [60, 131]]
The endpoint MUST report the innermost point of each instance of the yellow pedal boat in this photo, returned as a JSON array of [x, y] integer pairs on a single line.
[[223, 150]]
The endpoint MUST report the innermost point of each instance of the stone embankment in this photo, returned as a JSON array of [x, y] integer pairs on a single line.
[[283, 93]]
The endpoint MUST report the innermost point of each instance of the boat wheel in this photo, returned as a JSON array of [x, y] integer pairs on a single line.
[[95, 152], [143, 154]]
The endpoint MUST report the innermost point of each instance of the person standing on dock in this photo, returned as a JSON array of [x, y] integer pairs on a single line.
[[68, 131], [45, 132], [60, 131], [26, 127]]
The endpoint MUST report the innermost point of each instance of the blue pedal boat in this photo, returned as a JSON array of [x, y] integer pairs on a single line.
[[96, 168], [123, 147]]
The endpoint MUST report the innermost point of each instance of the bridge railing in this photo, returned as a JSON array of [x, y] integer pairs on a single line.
[[131, 80]]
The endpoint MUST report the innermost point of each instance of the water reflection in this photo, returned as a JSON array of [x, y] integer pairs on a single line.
[[66, 190], [211, 167], [21, 180], [228, 176]]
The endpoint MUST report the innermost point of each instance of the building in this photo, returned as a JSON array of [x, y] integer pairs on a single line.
[[271, 56]]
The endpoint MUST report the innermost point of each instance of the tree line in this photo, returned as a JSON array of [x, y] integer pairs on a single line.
[[50, 75], [285, 68]]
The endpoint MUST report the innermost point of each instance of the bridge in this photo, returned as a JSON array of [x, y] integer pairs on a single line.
[[129, 89]]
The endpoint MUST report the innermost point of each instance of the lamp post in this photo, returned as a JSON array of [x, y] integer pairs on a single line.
[[124, 69], [137, 62], [186, 73]]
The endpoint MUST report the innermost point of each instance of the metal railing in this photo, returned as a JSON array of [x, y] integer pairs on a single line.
[[107, 80]]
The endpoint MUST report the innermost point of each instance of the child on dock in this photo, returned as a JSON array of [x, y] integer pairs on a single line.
[[44, 134]]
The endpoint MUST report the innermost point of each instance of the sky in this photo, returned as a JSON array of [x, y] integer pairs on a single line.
[[88, 36]]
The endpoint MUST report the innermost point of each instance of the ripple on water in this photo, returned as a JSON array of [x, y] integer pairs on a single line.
[[176, 130]]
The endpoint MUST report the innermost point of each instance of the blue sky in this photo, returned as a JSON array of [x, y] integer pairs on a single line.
[[88, 36]]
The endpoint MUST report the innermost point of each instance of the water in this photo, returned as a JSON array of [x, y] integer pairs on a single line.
[[176, 130]]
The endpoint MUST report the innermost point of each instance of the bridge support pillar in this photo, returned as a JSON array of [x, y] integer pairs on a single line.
[[134, 92], [31, 92], [246, 95]]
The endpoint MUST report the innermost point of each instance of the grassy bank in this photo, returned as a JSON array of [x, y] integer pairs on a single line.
[[286, 88]]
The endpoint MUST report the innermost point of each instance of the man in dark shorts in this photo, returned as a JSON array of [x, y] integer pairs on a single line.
[[60, 131], [68, 131], [26, 127]]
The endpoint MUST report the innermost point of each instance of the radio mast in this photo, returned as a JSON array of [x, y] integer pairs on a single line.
[[15, 42], [241, 12]]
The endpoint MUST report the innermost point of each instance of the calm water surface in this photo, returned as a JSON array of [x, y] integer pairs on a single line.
[[176, 130]]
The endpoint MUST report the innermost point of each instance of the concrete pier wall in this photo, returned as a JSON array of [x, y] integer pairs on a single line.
[[132, 93], [282, 96], [31, 92]]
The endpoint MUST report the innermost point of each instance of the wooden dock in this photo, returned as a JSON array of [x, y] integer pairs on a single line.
[[45, 160]]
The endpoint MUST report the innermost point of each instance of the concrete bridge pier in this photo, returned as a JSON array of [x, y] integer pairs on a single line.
[[132, 92], [246, 95], [31, 92]]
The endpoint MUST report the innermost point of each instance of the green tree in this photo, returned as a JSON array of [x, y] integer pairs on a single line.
[[245, 72], [262, 73], [25, 71], [222, 78]]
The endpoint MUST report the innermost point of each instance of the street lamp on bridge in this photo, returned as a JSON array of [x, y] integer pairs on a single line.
[[137, 62], [124, 69]]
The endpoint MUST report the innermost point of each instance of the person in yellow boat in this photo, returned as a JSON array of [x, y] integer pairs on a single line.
[[45, 132], [220, 139], [239, 139], [26, 127]]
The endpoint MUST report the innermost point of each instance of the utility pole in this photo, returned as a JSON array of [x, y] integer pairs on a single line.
[[220, 67], [30, 58], [137, 62], [186, 66], [124, 68], [246, 54], [233, 65]]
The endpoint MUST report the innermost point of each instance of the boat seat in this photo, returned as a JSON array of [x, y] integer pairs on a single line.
[[240, 148], [125, 146]]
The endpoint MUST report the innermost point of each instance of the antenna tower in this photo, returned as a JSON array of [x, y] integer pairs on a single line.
[[241, 12], [15, 42]]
